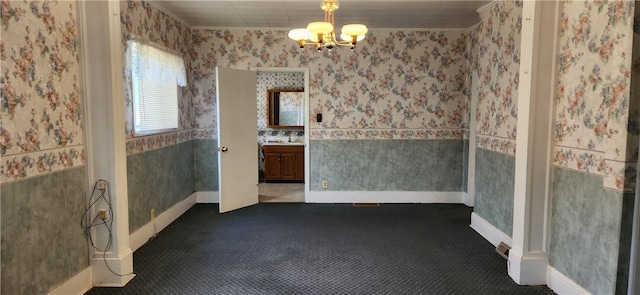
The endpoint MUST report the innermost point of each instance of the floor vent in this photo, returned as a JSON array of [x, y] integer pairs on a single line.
[[366, 204], [503, 250]]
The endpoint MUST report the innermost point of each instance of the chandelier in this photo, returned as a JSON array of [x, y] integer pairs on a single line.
[[322, 34]]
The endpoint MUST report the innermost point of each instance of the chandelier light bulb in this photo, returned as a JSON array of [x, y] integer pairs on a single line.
[[320, 28], [300, 34], [354, 29]]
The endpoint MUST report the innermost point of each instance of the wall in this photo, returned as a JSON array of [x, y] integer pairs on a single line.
[[596, 143], [396, 85], [495, 92], [42, 147], [160, 168], [387, 165]]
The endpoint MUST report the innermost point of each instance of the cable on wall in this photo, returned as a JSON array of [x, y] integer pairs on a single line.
[[104, 218]]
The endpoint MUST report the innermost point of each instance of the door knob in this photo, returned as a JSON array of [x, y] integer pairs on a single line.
[[223, 149]]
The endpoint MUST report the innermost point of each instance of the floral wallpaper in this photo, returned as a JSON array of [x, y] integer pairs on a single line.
[[144, 22], [593, 130], [41, 118], [497, 68], [395, 84], [470, 91], [276, 80]]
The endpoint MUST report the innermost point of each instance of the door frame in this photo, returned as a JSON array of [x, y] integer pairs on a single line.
[[634, 258], [306, 116]]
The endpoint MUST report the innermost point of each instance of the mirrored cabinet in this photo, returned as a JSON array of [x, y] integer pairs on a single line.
[[285, 108]]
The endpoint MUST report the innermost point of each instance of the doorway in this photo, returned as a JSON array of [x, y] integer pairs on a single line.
[[293, 139]]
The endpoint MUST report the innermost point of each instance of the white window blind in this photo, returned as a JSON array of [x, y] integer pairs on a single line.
[[155, 76]]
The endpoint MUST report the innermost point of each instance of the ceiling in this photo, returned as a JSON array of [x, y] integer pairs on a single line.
[[290, 14]]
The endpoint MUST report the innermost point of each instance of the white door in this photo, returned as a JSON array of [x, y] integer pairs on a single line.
[[237, 138]]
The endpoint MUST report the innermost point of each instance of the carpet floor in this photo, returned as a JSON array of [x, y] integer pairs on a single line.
[[321, 249]]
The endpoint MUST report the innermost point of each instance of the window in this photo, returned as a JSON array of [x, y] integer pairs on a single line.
[[156, 75]]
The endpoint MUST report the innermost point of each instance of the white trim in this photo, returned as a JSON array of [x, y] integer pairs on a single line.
[[466, 199], [101, 40], [488, 231], [527, 270], [120, 263], [307, 135], [307, 120], [383, 197], [167, 12], [561, 284], [208, 197], [78, 284], [149, 230], [634, 258], [487, 6]]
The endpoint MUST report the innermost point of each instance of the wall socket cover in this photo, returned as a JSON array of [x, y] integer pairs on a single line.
[[325, 184]]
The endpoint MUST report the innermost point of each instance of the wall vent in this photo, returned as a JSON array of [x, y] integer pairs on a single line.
[[503, 250]]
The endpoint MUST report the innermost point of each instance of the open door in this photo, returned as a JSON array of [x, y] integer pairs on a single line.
[[237, 138]]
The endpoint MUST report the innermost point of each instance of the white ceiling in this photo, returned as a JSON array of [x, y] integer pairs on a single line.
[[290, 14]]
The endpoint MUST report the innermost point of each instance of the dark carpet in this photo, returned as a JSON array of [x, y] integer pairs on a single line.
[[321, 249]]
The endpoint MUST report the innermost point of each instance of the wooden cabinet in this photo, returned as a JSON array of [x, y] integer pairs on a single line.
[[283, 163]]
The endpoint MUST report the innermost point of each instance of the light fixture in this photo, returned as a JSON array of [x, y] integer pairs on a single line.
[[322, 34]]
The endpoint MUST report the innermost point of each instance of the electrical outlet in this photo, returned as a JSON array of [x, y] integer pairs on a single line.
[[101, 184], [153, 214], [102, 214], [325, 184]]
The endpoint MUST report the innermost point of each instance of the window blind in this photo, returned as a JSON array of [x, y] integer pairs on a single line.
[[155, 76]]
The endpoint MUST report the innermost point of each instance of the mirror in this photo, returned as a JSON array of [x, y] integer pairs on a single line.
[[285, 108]]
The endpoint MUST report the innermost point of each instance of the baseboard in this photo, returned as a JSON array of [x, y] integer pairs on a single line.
[[530, 270], [143, 234], [467, 199], [383, 197], [208, 197], [488, 231], [78, 284], [561, 284]]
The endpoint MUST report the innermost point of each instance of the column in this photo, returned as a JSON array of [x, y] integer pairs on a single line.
[[528, 258], [106, 153]]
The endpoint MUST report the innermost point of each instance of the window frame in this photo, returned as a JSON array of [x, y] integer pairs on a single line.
[[136, 70]]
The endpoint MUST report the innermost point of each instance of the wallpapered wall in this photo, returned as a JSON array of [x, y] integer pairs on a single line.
[[592, 97], [160, 168], [497, 67], [595, 139], [42, 148], [397, 84], [41, 128], [276, 80]]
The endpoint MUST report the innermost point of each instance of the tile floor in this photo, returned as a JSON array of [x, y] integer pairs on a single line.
[[281, 192]]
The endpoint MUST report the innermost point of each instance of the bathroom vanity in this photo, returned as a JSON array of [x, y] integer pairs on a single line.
[[283, 162]]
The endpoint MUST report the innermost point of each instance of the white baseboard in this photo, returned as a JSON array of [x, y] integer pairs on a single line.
[[488, 231], [527, 270], [78, 284], [143, 234], [208, 197], [467, 199], [561, 284], [383, 197]]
